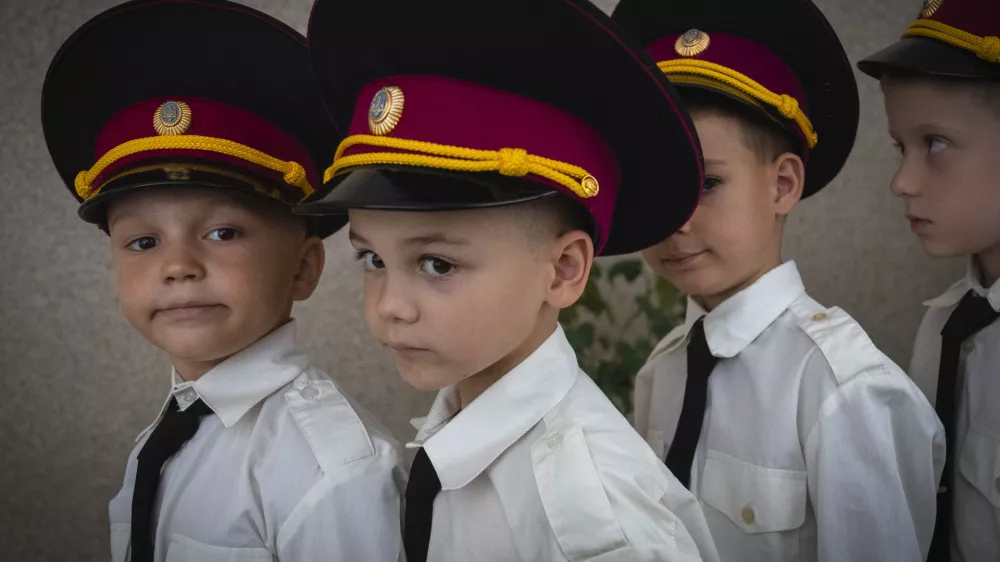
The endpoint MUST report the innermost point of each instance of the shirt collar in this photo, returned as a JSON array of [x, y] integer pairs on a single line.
[[462, 444], [239, 383], [971, 282], [738, 321]]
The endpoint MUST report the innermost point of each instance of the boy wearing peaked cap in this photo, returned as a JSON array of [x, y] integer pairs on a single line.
[[481, 176], [941, 82], [160, 120], [801, 440]]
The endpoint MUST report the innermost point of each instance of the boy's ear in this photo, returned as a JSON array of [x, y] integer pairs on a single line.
[[790, 179], [572, 256], [310, 268]]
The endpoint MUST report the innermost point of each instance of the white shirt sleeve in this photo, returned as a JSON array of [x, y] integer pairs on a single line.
[[351, 514], [874, 459]]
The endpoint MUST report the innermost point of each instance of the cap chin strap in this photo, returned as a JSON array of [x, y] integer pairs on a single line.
[[986, 48], [507, 161], [294, 173], [785, 104]]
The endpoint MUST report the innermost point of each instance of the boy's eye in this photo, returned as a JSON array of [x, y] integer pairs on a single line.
[[223, 234], [142, 244], [371, 260], [710, 185], [436, 267], [935, 144]]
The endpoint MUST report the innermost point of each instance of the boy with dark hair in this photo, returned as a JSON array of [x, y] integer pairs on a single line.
[[942, 95], [187, 130], [493, 150], [801, 440]]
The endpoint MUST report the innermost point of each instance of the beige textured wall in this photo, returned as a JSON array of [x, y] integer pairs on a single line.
[[78, 384]]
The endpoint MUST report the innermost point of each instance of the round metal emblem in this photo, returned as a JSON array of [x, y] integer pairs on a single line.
[[590, 185], [172, 118], [929, 7], [692, 43], [385, 110]]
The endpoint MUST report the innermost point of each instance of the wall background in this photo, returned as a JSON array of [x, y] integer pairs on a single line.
[[77, 384]]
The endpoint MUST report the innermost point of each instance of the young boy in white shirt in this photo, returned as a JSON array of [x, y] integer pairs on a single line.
[[801, 440], [942, 95], [187, 130], [490, 149]]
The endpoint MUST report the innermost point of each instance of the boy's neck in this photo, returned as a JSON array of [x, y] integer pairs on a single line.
[[988, 263], [711, 302], [472, 387], [191, 370]]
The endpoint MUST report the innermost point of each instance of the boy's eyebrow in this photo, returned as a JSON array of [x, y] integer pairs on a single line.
[[355, 237], [715, 162], [436, 238], [112, 218]]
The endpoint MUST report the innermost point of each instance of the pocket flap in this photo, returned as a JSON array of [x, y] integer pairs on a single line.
[[980, 463], [183, 549], [756, 499]]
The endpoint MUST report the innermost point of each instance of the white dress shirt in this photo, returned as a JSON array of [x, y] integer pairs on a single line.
[[287, 468], [814, 446], [976, 492], [542, 467]]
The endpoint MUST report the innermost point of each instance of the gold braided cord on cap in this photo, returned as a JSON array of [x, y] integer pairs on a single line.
[[294, 173], [507, 161], [785, 104], [986, 48]]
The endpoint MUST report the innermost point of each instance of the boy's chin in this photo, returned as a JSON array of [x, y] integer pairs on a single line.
[[423, 379], [198, 350], [942, 249]]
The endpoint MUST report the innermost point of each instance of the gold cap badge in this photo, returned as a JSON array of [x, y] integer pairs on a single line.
[[692, 43], [929, 7], [172, 118], [385, 110], [590, 185]]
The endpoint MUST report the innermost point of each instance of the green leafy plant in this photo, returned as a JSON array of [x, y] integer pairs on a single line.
[[624, 311]]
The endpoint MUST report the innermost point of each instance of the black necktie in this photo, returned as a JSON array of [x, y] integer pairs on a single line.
[[170, 434], [421, 490], [700, 363], [972, 315]]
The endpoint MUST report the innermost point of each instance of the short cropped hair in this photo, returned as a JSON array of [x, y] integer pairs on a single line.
[[990, 92], [552, 216], [761, 135], [985, 91]]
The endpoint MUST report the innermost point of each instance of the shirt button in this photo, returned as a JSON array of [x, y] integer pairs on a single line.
[[186, 397], [748, 516], [820, 317], [309, 393], [555, 441], [969, 346]]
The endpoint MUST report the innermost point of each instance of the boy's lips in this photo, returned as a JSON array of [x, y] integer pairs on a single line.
[[400, 348], [917, 224], [397, 346], [681, 258], [187, 310]]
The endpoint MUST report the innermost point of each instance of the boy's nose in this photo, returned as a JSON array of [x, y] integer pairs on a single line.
[[904, 182], [394, 304], [181, 264]]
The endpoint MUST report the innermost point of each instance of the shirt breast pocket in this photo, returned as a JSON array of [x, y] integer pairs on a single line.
[[183, 549], [979, 463], [767, 505]]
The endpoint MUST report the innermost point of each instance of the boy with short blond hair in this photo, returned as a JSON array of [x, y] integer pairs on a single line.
[[190, 158], [801, 440], [941, 83]]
